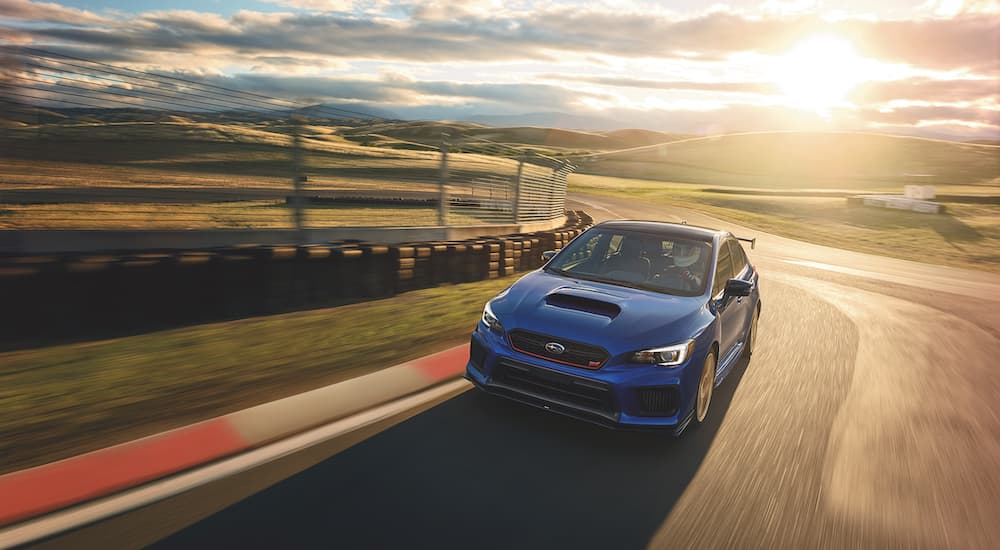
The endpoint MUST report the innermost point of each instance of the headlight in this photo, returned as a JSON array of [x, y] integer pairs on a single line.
[[669, 356], [490, 319]]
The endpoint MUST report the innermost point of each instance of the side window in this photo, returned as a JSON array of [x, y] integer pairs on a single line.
[[723, 270], [738, 256]]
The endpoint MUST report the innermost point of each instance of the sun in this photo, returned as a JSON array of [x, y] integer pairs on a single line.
[[818, 73]]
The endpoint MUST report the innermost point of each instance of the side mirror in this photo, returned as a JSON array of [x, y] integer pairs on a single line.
[[547, 255], [738, 287]]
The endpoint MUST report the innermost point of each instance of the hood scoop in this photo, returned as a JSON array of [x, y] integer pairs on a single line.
[[584, 304]]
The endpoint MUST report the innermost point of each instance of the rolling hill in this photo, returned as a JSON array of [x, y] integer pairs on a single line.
[[553, 140], [845, 160], [779, 160]]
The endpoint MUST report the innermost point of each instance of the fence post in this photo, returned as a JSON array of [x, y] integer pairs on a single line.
[[561, 172], [517, 189], [550, 203], [298, 179], [443, 183]]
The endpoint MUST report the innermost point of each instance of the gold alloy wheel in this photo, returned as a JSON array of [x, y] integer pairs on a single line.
[[753, 331], [705, 387]]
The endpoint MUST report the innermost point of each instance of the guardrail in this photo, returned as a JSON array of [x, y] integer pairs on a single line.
[[51, 297]]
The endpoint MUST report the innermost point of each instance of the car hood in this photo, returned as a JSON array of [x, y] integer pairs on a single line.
[[619, 319]]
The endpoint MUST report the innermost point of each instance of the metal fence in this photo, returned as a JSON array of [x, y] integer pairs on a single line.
[[502, 183], [89, 145]]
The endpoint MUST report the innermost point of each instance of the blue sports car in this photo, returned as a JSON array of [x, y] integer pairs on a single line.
[[631, 325]]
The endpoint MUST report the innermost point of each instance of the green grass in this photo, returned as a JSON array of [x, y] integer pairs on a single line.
[[62, 400], [968, 235]]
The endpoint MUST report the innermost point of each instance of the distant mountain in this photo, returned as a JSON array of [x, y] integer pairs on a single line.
[[636, 137], [543, 138], [551, 119], [351, 110]]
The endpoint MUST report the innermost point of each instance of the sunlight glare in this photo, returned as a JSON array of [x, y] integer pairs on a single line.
[[817, 74]]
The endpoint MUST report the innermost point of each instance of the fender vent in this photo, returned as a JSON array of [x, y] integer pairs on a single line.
[[586, 305], [477, 354], [658, 401]]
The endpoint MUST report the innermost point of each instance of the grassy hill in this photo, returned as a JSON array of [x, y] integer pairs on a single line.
[[207, 154], [387, 134], [176, 172], [197, 144], [80, 157], [842, 160], [546, 140]]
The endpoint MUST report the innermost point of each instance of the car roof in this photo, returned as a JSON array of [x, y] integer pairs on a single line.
[[675, 230]]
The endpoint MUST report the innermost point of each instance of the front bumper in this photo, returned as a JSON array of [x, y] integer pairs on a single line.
[[634, 397]]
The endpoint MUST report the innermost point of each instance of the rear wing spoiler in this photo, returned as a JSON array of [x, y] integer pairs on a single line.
[[753, 241]]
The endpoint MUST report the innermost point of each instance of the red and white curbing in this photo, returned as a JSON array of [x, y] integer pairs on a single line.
[[47, 488]]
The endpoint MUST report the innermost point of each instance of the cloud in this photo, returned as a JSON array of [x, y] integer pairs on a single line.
[[929, 89], [395, 90], [47, 11], [15, 36], [926, 113], [955, 55], [318, 5], [287, 63], [950, 8], [939, 121], [968, 42], [336, 6], [460, 9], [550, 32], [625, 82], [389, 90]]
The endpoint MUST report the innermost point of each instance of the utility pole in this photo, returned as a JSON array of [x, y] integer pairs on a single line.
[[443, 183], [298, 179]]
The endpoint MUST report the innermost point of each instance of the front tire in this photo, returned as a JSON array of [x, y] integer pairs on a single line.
[[706, 387]]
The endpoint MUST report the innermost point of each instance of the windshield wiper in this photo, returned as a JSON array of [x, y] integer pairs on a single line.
[[599, 279], [626, 284]]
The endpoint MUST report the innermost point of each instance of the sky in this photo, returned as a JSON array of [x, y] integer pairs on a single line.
[[925, 67]]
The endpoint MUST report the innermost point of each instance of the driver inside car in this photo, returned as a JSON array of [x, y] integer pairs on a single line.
[[688, 269]]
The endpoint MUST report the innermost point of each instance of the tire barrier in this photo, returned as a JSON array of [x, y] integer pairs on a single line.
[[48, 298]]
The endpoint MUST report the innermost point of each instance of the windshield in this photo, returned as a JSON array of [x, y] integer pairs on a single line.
[[637, 260]]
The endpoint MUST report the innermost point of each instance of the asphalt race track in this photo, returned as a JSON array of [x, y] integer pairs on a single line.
[[867, 418]]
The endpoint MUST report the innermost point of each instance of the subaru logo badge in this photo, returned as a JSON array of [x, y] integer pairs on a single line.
[[555, 348]]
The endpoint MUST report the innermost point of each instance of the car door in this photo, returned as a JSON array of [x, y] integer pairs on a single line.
[[727, 308], [743, 308]]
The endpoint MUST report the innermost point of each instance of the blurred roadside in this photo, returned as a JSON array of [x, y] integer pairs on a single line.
[[63, 400]]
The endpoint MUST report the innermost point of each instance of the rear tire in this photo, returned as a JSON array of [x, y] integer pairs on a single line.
[[752, 333]]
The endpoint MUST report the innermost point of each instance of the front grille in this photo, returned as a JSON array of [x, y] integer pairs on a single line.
[[575, 354], [477, 354], [658, 401], [555, 386]]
